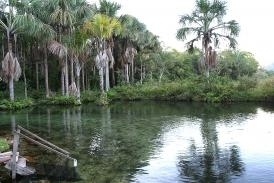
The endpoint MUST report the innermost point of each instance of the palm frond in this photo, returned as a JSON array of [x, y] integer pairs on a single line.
[[57, 49], [10, 67]]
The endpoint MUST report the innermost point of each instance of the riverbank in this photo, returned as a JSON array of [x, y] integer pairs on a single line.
[[200, 89]]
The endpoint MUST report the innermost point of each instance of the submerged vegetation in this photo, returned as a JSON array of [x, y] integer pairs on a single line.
[[72, 52]]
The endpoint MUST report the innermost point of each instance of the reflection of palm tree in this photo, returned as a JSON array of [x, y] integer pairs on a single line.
[[210, 164]]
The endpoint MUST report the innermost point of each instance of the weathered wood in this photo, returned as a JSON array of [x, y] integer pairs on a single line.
[[14, 152], [43, 140], [46, 147], [21, 167], [4, 157]]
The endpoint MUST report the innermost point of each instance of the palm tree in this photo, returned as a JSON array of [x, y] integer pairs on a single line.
[[102, 27], [14, 24], [109, 9], [148, 44], [206, 23], [130, 35]]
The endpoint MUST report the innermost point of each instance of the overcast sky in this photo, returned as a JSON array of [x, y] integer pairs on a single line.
[[255, 18]]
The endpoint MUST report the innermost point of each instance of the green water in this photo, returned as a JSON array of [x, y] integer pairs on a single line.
[[149, 142]]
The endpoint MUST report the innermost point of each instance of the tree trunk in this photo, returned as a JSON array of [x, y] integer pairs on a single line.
[[71, 70], [101, 75], [63, 80], [24, 72], [37, 75], [112, 77], [126, 73], [83, 77], [132, 72], [11, 88], [25, 79], [46, 71], [107, 76], [66, 76], [78, 71], [87, 81]]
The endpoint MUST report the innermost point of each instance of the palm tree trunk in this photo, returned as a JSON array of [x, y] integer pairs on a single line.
[[112, 77], [83, 77], [71, 70], [78, 71], [66, 76], [37, 75], [46, 71], [24, 75], [11, 88], [132, 72], [101, 75], [87, 81], [63, 80], [107, 76], [127, 74]]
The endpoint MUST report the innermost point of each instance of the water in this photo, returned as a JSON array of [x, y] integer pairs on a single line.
[[149, 142]]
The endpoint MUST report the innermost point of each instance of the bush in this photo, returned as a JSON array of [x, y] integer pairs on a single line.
[[3, 145], [102, 100], [90, 96], [15, 105], [264, 90], [61, 100]]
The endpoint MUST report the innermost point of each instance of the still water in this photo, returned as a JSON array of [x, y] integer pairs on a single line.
[[149, 142]]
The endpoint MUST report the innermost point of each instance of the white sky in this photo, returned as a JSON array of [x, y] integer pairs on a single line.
[[255, 18]]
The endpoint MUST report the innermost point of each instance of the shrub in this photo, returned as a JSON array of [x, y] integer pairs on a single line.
[[3, 145], [15, 105], [61, 100]]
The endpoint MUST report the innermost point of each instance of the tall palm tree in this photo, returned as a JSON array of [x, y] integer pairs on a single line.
[[102, 27], [207, 25], [109, 9]]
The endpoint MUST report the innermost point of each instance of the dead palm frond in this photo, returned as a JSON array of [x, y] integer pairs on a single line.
[[57, 49], [10, 67]]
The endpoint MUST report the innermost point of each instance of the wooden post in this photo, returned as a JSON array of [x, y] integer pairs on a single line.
[[14, 153]]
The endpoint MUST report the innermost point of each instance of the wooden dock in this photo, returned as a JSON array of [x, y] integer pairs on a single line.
[[17, 164]]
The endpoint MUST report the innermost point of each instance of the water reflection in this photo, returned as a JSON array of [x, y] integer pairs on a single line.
[[210, 163], [141, 141]]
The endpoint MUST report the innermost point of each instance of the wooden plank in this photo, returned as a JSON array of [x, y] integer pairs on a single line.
[[14, 152], [4, 157], [43, 140]]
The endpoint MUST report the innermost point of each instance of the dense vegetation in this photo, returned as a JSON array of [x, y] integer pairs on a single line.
[[68, 52]]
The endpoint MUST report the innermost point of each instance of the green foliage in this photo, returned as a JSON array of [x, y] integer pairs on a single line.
[[103, 99], [264, 90], [236, 64], [61, 100], [213, 89], [90, 96], [15, 105], [3, 145]]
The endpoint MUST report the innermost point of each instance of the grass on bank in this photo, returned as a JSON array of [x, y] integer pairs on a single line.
[[212, 89]]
